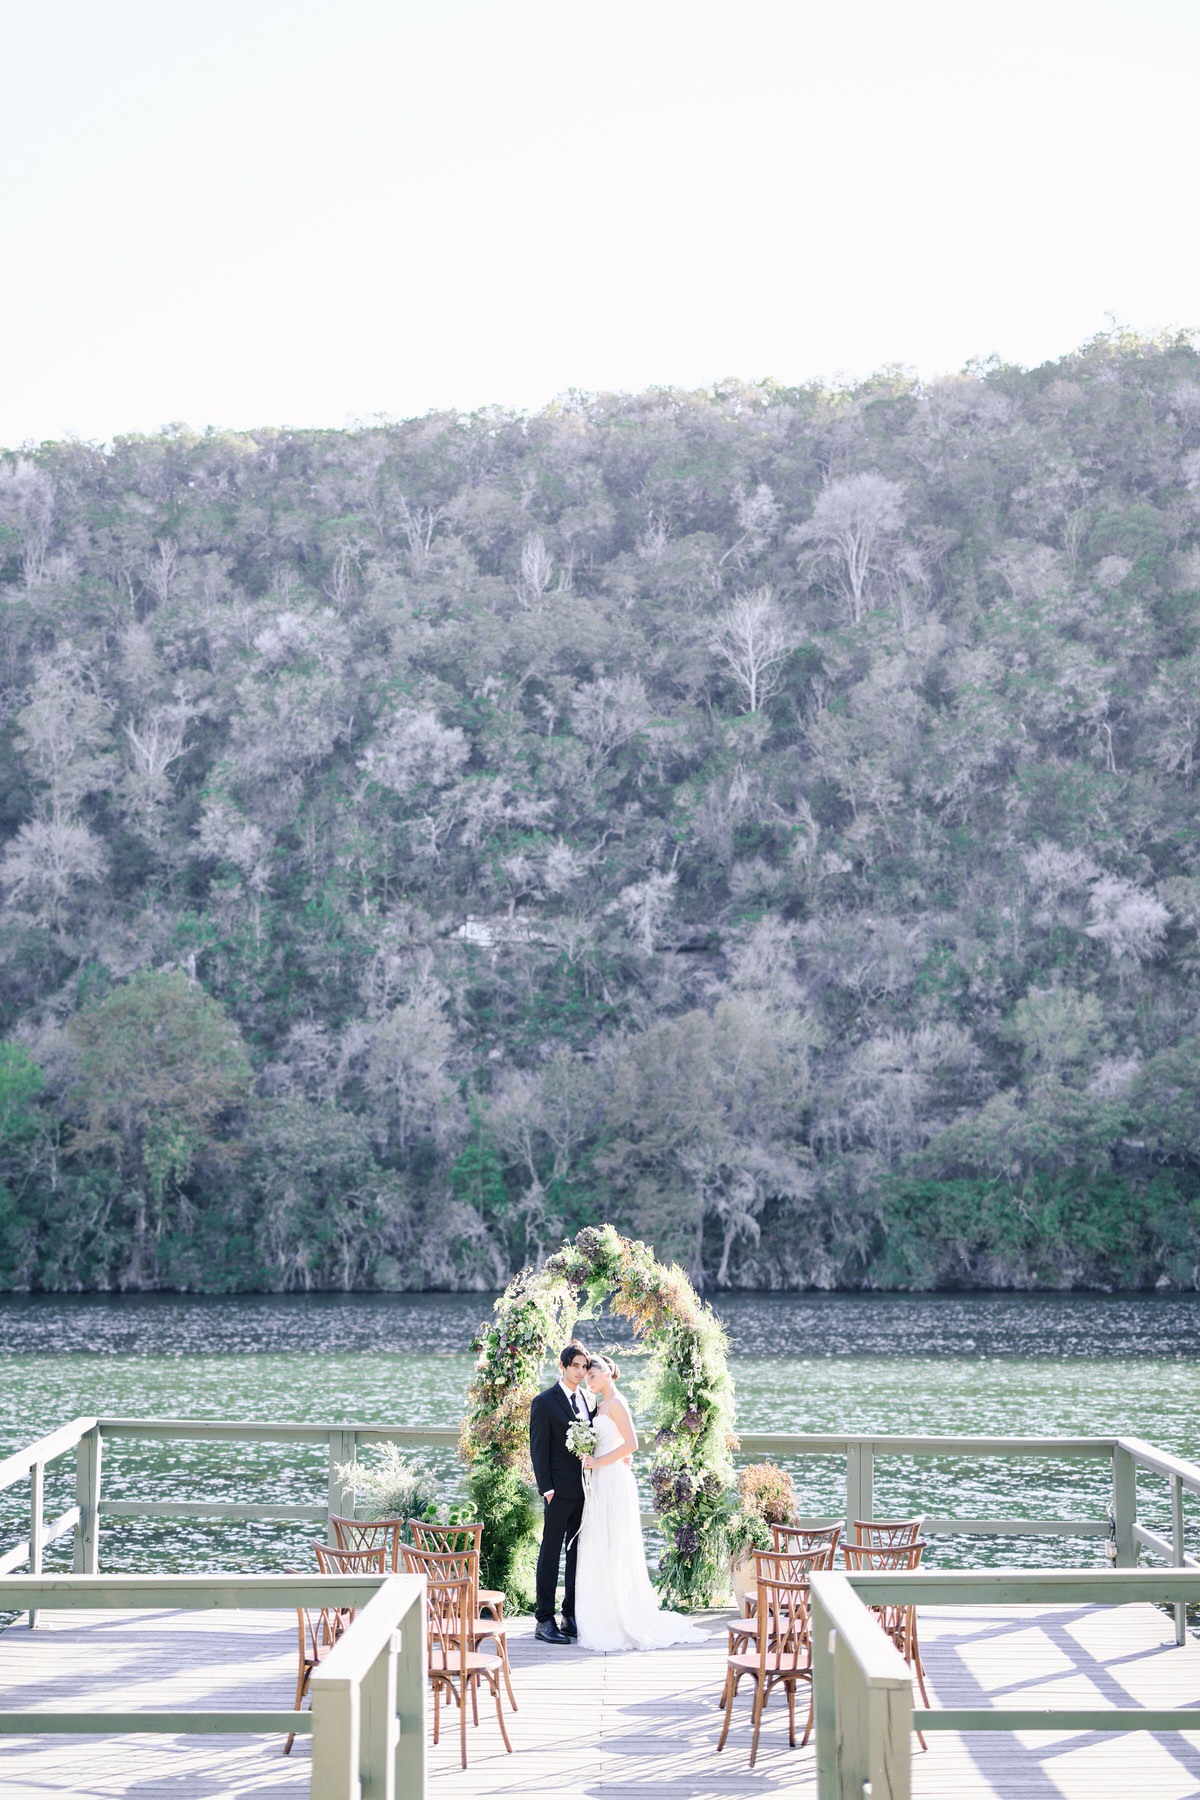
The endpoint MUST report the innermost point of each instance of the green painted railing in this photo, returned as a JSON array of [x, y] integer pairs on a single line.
[[862, 1687], [368, 1696], [1126, 1457], [860, 1679]]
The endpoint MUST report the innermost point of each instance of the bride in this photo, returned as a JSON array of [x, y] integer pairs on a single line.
[[615, 1605]]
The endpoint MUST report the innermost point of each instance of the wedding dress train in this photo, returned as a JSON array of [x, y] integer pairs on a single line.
[[615, 1606]]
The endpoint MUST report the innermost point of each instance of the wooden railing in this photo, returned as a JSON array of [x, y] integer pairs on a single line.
[[858, 1682], [862, 1688], [368, 1696], [1126, 1457]]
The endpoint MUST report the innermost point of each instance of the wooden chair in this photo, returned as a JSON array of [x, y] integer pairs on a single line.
[[455, 1669], [370, 1534], [781, 1655], [458, 1537], [463, 1565], [886, 1533], [319, 1628], [898, 1621], [775, 1565], [808, 1537]]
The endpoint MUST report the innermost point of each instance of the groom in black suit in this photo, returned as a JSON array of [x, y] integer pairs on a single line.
[[559, 1476]]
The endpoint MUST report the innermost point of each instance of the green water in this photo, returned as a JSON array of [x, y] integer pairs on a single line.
[[983, 1365]]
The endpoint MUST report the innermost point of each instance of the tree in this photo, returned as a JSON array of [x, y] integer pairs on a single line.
[[408, 1053], [46, 863], [161, 1069], [753, 642], [853, 520]]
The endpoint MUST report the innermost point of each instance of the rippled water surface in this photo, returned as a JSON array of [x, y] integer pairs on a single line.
[[984, 1365]]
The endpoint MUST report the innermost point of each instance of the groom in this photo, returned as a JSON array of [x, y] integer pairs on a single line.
[[559, 1476]]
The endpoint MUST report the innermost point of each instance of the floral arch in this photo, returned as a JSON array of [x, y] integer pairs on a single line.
[[685, 1400]]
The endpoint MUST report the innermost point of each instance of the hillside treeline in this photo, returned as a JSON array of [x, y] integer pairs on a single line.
[[762, 817]]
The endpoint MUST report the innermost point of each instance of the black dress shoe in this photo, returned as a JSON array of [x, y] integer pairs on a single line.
[[548, 1633], [569, 1628]]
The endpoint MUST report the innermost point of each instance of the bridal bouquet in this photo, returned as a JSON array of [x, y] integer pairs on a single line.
[[582, 1439]]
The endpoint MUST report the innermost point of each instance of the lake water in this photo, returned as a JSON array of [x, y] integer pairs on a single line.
[[989, 1365]]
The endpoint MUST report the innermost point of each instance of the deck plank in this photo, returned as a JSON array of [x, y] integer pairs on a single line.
[[625, 1727]]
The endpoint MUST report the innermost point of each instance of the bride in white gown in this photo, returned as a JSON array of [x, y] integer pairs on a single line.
[[615, 1606]]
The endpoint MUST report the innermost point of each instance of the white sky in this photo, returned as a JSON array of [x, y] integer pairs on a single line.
[[247, 212]]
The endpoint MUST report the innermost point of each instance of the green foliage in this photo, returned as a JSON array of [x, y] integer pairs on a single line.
[[391, 1487], [415, 754]]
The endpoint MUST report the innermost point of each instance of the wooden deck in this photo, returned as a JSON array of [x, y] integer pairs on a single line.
[[621, 1726]]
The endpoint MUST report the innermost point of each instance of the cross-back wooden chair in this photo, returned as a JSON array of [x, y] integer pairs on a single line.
[[458, 1537], [885, 1534], [788, 1567], [319, 1627], [897, 1620], [370, 1534], [455, 1668], [463, 1565], [775, 1565], [808, 1537], [779, 1655]]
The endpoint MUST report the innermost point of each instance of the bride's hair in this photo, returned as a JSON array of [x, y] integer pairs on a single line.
[[606, 1363]]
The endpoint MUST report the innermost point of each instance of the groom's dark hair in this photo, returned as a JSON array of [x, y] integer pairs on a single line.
[[567, 1357]]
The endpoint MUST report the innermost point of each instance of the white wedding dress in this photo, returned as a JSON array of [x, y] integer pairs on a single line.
[[615, 1606]]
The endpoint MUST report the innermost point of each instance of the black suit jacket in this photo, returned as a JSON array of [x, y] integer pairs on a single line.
[[554, 1466]]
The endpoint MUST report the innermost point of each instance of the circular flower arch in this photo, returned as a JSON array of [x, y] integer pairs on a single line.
[[686, 1394]]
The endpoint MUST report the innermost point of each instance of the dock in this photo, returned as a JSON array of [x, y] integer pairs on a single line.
[[641, 1724]]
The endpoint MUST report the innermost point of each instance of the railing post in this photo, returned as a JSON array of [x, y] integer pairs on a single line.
[[860, 1480], [380, 1728], [874, 1732], [1124, 1506], [343, 1449], [336, 1740], [87, 1498], [824, 1675], [411, 1690], [37, 1502], [1177, 1547]]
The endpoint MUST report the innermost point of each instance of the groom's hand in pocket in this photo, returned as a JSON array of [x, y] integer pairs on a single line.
[[548, 1495]]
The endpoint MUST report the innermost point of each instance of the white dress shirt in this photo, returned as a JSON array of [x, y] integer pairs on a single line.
[[584, 1410]]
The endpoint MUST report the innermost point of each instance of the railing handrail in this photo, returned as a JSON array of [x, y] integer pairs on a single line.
[[812, 1443], [199, 1592], [43, 1450], [355, 1651], [1162, 1462], [279, 1431], [1018, 1587], [875, 1654]]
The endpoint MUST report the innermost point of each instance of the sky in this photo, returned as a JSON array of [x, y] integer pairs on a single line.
[[238, 213]]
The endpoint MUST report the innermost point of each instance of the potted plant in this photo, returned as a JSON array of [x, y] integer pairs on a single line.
[[391, 1488], [766, 1497]]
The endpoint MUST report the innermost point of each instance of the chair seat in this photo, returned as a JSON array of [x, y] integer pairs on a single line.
[[478, 1663], [787, 1664], [491, 1596]]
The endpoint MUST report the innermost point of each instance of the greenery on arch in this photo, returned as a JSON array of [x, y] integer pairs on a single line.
[[686, 1398]]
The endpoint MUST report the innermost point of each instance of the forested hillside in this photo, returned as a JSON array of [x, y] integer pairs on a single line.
[[765, 818]]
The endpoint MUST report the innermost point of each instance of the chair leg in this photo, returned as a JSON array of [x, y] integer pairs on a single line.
[[495, 1686], [462, 1718], [809, 1726], [760, 1700], [437, 1710], [727, 1697], [503, 1648], [301, 1689], [791, 1700]]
